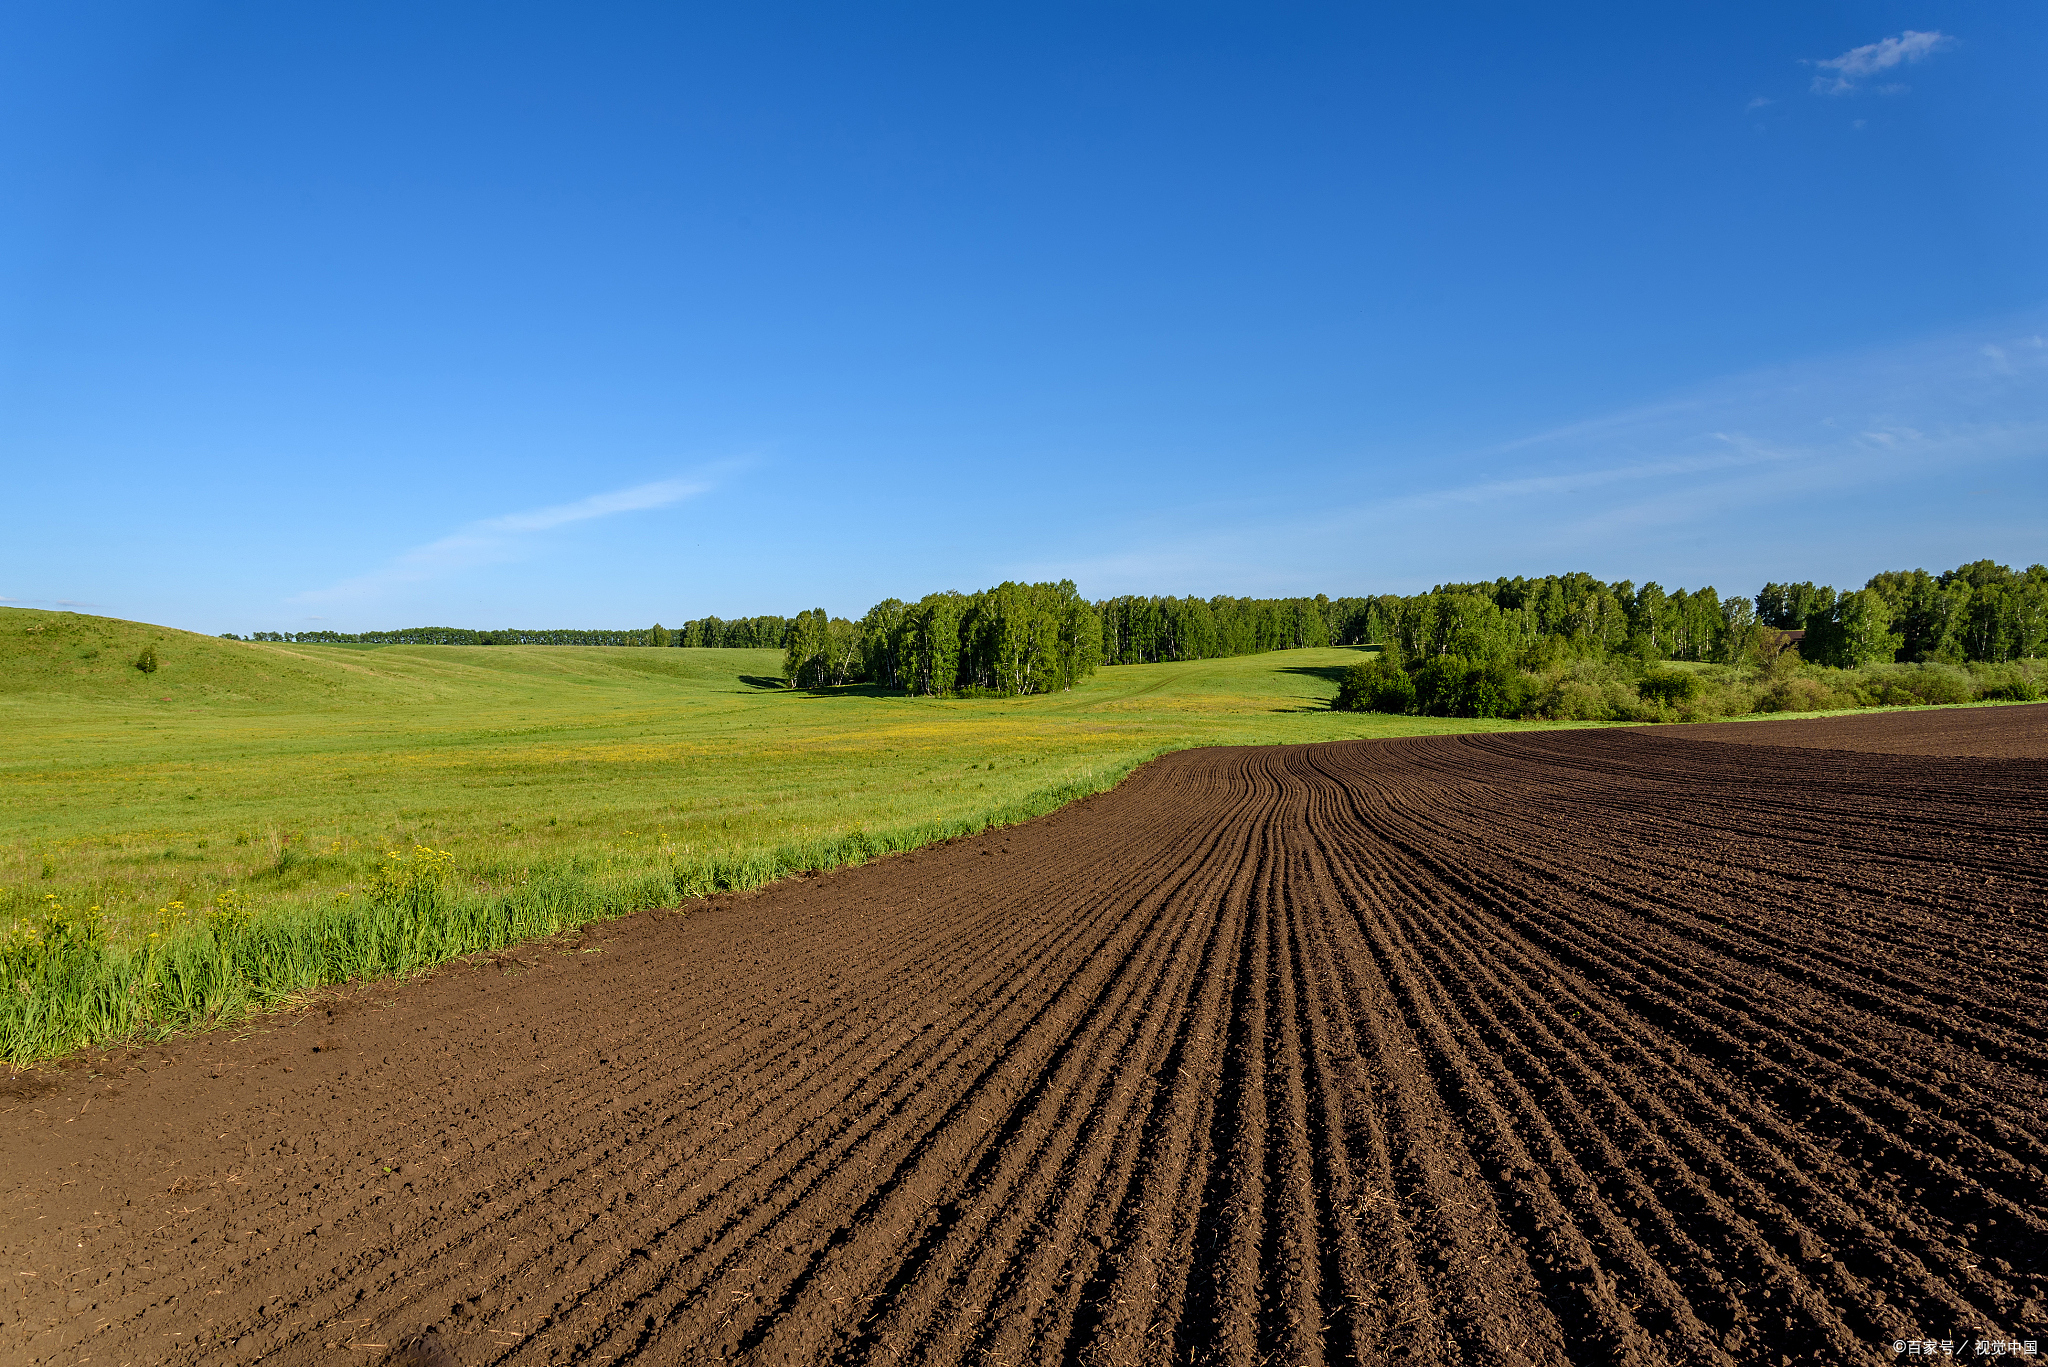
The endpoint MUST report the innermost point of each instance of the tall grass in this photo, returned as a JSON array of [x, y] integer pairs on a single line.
[[73, 979]]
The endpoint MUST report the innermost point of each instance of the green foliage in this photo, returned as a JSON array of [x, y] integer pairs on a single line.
[[2022, 681], [807, 653], [1790, 607], [883, 642], [1149, 630], [1012, 640], [1540, 622], [1470, 627], [1619, 689], [146, 661], [411, 880], [1855, 631], [1920, 685], [1926, 611], [1977, 612], [741, 633], [823, 652], [1569, 647], [1020, 639], [1376, 685], [228, 914], [1457, 686], [1671, 687]]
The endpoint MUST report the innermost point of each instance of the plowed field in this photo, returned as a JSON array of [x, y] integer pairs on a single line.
[[1987, 732], [1572, 1046]]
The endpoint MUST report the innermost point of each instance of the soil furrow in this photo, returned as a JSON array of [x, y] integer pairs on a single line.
[[1640, 1046]]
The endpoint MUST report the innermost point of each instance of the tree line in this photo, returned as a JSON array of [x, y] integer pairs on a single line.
[[1030, 638], [467, 636], [1981, 611], [1503, 648], [741, 633]]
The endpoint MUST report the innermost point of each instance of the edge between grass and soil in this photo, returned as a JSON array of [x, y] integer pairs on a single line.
[[90, 991]]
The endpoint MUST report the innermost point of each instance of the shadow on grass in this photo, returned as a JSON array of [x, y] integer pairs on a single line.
[[1332, 674], [859, 690], [1329, 674]]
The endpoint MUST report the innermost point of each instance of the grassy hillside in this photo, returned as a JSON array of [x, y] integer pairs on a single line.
[[251, 784]]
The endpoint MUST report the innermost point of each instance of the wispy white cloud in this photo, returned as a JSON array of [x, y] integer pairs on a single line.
[[495, 540], [1846, 458], [1839, 75], [1758, 103], [639, 498]]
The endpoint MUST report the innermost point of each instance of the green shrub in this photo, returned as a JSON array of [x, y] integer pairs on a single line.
[[146, 661], [1376, 685], [1574, 699], [1796, 693], [2018, 682], [1671, 687], [1920, 684], [1453, 687]]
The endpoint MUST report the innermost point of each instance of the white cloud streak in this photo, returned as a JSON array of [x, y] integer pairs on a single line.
[[636, 499], [1753, 470], [1840, 74], [496, 540]]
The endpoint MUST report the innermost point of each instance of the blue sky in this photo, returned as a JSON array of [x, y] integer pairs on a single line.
[[372, 316]]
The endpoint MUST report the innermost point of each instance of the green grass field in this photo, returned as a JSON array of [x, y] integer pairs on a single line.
[[216, 836]]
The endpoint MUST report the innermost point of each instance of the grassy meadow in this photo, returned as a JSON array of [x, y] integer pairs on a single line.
[[252, 820]]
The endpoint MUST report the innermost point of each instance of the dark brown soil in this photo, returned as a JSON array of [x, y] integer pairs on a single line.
[[2007, 731], [1577, 1046]]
